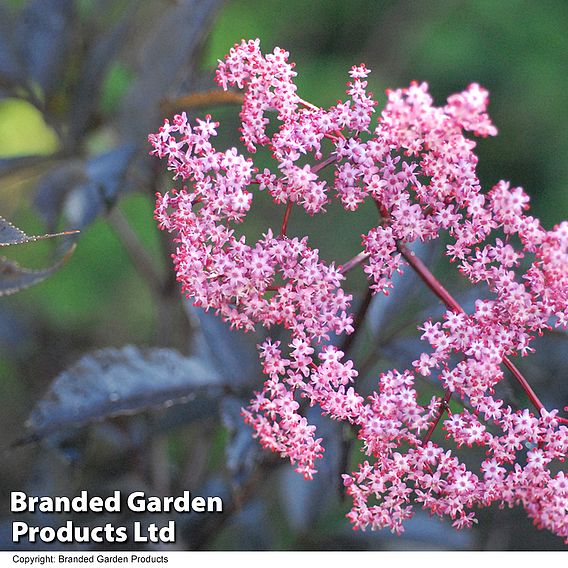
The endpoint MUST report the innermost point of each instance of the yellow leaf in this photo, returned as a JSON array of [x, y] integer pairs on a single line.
[[23, 130]]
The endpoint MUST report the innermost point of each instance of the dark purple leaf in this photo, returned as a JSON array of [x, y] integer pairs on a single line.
[[313, 498], [11, 235], [99, 57], [112, 382], [84, 190], [385, 311], [16, 331], [242, 450], [11, 165], [10, 66], [54, 187], [14, 278], [165, 63], [44, 31], [233, 352]]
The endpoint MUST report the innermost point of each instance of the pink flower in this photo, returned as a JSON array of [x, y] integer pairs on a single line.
[[419, 169]]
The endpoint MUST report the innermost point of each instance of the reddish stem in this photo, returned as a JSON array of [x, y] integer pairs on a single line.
[[309, 105], [318, 167], [434, 284], [353, 262], [431, 281], [337, 134], [324, 163], [443, 407], [285, 220], [348, 341]]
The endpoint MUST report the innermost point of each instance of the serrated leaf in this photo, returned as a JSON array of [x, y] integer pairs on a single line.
[[111, 382], [11, 235], [44, 30], [14, 278]]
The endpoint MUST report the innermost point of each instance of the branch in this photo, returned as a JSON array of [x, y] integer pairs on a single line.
[[329, 160], [141, 260], [443, 407], [357, 322], [434, 284], [353, 262], [317, 168], [286, 218], [213, 97]]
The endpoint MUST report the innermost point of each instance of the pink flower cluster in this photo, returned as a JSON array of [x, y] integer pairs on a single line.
[[419, 168]]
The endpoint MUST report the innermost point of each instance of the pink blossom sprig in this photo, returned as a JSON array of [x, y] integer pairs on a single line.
[[418, 166]]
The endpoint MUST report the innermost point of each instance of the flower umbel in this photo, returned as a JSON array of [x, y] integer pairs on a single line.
[[419, 168]]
